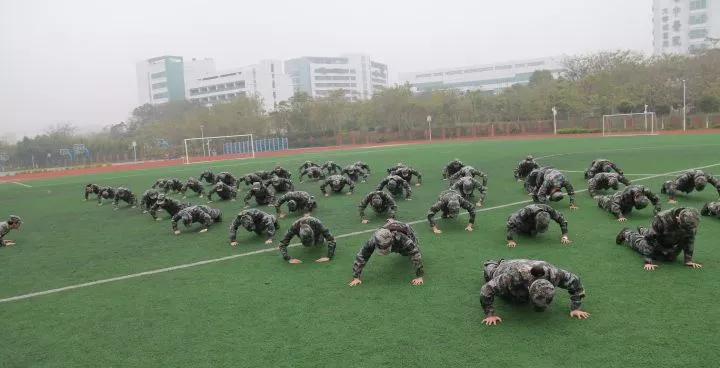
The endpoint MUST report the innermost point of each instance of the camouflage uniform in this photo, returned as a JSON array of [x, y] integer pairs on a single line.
[[445, 198], [170, 205], [224, 191], [354, 173], [466, 187], [337, 183], [525, 167], [513, 280], [313, 172], [396, 185], [256, 221], [281, 172], [621, 204], [666, 237], [711, 209], [387, 204], [306, 165], [126, 195], [280, 185], [228, 179], [148, 199], [525, 221], [407, 173], [263, 195], [320, 235], [208, 176], [553, 181], [399, 165], [6, 226], [689, 181], [202, 214], [106, 193], [604, 180], [194, 185], [451, 168], [535, 178], [301, 201], [471, 172], [173, 184], [92, 188], [601, 165], [403, 242], [363, 166], [250, 179], [159, 184], [331, 168]]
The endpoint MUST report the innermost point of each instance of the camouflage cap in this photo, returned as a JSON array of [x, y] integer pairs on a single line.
[[306, 234], [557, 196], [542, 293], [376, 201], [292, 205], [542, 221], [690, 218]]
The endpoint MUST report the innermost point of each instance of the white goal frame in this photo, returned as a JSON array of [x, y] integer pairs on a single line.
[[206, 141], [652, 119]]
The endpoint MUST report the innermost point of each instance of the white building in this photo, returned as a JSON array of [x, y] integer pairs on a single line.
[[357, 75], [162, 79], [487, 77], [265, 80], [684, 26]]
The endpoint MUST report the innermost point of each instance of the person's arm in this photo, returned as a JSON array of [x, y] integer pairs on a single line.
[[271, 194], [714, 182], [392, 207], [512, 229], [445, 172], [233, 229], [291, 186], [323, 186], [153, 210], [249, 195], [570, 191], [560, 219], [270, 229], [470, 207], [284, 244], [351, 184], [211, 192], [487, 297], [87, 194], [419, 176], [615, 208], [516, 172], [362, 258], [116, 199], [484, 178], [408, 189], [431, 213], [541, 194], [331, 245], [617, 169], [174, 222], [688, 248], [482, 191], [572, 284], [363, 205], [653, 199], [414, 254], [302, 173], [592, 187], [624, 180], [382, 184], [279, 203]]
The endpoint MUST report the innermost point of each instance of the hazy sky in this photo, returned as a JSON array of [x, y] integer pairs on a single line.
[[74, 61]]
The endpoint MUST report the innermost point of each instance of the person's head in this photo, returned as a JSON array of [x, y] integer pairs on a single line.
[[256, 185], [278, 168], [383, 241], [306, 235], [247, 222], [453, 207], [556, 196], [689, 218], [275, 180], [467, 186], [14, 222], [641, 201], [292, 205], [613, 182], [542, 293], [700, 182], [105, 194], [336, 182], [405, 171], [392, 184], [161, 199], [542, 221], [219, 186], [529, 158], [376, 201], [89, 188], [154, 195]]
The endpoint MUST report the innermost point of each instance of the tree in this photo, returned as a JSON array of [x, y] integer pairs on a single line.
[[708, 105]]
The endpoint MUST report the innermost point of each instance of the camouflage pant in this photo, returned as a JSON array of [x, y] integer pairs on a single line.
[[216, 214], [637, 241], [604, 202]]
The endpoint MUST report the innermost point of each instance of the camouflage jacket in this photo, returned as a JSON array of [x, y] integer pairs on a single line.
[[622, 203], [263, 195], [451, 168], [459, 186], [171, 206], [685, 182], [388, 204], [92, 188], [262, 223], [524, 168], [280, 184], [601, 165], [341, 180], [407, 173], [320, 231], [124, 194], [442, 205], [553, 180], [304, 201], [404, 243], [667, 237], [471, 172], [223, 191], [523, 221], [148, 199], [202, 214], [601, 181], [208, 176], [331, 167], [313, 172], [401, 186], [711, 209], [228, 179], [281, 172]]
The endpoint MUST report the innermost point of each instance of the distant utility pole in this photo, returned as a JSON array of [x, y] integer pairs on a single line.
[[684, 105], [202, 135], [645, 115], [134, 146], [554, 111], [429, 120]]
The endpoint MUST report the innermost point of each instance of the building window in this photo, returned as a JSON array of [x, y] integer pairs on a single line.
[[698, 19], [666, 27], [272, 68], [157, 75], [503, 67], [676, 26], [159, 85], [676, 41], [160, 95], [666, 43], [676, 11], [665, 36], [665, 18], [697, 33], [698, 4]]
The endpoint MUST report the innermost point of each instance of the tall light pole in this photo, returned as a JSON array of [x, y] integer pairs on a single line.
[[684, 104], [645, 115], [202, 136], [554, 111], [429, 120]]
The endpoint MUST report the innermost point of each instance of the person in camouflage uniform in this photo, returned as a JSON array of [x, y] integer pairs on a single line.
[[450, 202], [469, 171], [672, 231], [249, 179], [337, 183], [105, 193], [208, 176], [194, 185], [296, 201], [364, 167], [687, 182], [601, 165], [396, 185], [535, 178], [534, 219], [451, 168], [525, 167], [397, 166], [525, 280], [224, 191], [13, 223], [312, 172], [125, 195], [331, 168], [256, 221], [280, 185], [354, 173], [393, 237], [311, 231], [173, 184], [622, 203], [228, 179], [550, 188], [148, 199], [407, 173], [159, 184], [711, 209], [380, 202], [604, 181], [92, 189], [170, 205], [466, 187], [205, 215], [281, 172], [264, 196], [306, 165]]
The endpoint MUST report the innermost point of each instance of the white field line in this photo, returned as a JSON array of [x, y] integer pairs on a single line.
[[582, 171], [221, 259], [22, 184], [628, 149]]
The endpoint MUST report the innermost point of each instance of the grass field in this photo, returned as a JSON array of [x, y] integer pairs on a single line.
[[258, 311]]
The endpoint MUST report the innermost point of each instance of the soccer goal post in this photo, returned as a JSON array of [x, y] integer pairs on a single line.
[[642, 123], [209, 149]]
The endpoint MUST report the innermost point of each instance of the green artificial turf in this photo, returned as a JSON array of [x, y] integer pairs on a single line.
[[258, 311]]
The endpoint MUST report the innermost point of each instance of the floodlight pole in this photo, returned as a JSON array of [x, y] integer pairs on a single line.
[[645, 116], [684, 105], [134, 145], [202, 135], [554, 112], [429, 120]]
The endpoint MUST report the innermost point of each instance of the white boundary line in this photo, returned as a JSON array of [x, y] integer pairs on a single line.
[[19, 183], [581, 171], [215, 260]]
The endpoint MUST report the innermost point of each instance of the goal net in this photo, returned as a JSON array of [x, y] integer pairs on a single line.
[[642, 123], [229, 147]]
